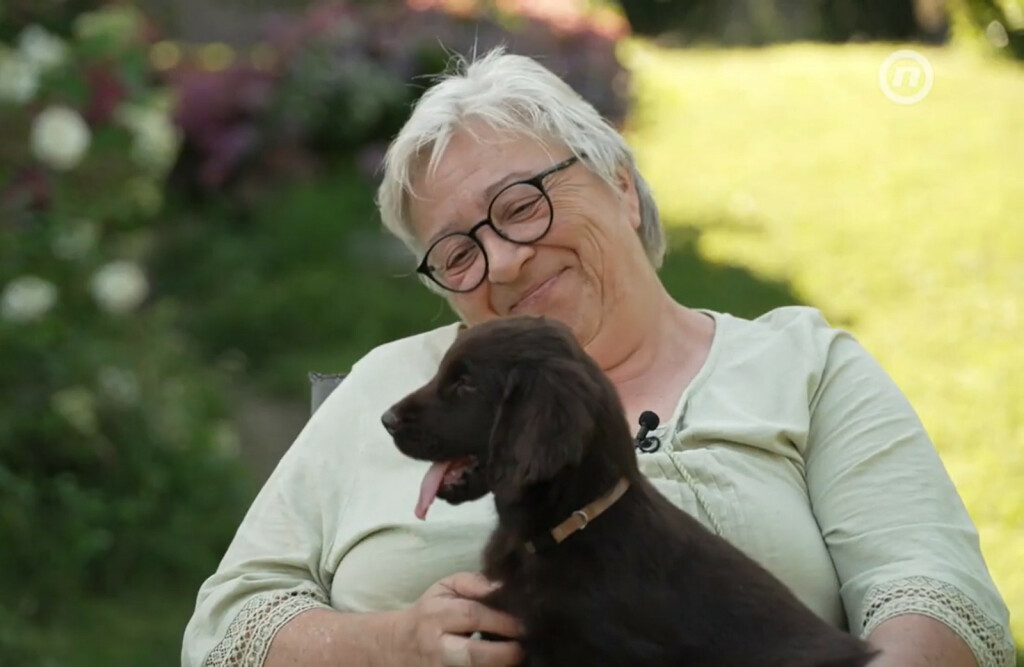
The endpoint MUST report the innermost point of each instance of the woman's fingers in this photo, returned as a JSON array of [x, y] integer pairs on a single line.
[[453, 606], [471, 585], [460, 612], [465, 652], [468, 616]]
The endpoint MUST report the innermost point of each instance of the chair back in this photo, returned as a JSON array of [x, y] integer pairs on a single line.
[[320, 387]]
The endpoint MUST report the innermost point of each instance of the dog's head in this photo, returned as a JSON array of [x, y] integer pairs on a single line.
[[514, 402]]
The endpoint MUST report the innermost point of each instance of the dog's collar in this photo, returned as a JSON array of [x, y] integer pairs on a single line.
[[578, 520]]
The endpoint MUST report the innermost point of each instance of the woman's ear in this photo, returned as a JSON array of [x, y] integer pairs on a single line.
[[541, 427], [625, 187]]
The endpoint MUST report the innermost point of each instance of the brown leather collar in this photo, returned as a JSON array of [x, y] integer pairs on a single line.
[[578, 520]]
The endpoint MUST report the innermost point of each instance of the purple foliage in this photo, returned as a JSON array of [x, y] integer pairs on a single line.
[[219, 114], [342, 80], [29, 191]]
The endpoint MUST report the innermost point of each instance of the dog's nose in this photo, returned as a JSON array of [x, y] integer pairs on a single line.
[[390, 421]]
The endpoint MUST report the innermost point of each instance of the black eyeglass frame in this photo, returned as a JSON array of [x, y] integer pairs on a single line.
[[537, 182]]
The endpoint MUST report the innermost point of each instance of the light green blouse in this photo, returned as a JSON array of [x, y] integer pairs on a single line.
[[791, 442]]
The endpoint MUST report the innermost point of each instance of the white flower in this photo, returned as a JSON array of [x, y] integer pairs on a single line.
[[41, 49], [60, 137], [77, 240], [118, 384], [19, 80], [77, 406], [27, 298], [155, 138], [120, 286]]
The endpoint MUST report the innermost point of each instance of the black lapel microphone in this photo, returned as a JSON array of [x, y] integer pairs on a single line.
[[648, 422]]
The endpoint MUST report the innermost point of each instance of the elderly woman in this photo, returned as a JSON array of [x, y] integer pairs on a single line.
[[779, 433]]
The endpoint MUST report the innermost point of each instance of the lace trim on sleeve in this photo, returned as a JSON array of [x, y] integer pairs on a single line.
[[248, 638], [989, 641]]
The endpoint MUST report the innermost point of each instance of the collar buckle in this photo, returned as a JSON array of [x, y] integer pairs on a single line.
[[578, 520]]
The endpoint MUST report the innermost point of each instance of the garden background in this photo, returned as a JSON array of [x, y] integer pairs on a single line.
[[187, 228]]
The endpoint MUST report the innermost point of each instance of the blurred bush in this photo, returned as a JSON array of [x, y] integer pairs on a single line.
[[758, 22], [115, 459], [56, 16], [272, 243], [992, 27], [338, 80], [996, 26]]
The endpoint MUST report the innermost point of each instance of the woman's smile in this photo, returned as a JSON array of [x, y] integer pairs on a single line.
[[536, 295]]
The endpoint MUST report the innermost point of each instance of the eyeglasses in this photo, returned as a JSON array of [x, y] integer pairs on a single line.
[[520, 213]]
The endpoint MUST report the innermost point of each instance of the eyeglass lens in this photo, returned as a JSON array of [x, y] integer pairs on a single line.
[[520, 213]]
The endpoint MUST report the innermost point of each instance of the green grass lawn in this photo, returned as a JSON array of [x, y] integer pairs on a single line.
[[904, 224]]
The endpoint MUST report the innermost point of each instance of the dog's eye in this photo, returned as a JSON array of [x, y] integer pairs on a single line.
[[462, 386]]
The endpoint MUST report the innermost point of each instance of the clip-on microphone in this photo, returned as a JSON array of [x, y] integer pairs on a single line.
[[648, 422]]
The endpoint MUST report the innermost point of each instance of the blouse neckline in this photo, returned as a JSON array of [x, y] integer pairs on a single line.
[[698, 380]]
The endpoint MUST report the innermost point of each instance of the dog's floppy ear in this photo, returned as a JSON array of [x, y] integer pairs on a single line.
[[542, 424]]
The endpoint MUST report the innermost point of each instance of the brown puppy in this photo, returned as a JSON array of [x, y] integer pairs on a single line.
[[517, 408]]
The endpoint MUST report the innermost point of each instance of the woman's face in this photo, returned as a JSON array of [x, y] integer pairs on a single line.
[[577, 273]]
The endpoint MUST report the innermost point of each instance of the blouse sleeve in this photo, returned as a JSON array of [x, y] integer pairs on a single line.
[[272, 571], [899, 535]]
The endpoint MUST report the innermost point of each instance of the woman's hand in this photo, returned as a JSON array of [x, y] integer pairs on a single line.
[[434, 632]]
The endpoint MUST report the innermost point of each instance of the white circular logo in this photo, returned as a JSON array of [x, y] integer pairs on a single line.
[[906, 77]]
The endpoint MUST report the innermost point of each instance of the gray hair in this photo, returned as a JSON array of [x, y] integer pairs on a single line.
[[510, 93]]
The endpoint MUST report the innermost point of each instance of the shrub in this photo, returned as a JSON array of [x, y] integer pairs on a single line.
[[55, 16], [742, 22], [338, 80], [273, 245], [989, 26], [115, 459]]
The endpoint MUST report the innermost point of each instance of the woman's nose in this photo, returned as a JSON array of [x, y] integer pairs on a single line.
[[504, 258]]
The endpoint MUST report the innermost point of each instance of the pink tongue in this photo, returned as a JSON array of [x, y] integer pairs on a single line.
[[429, 487]]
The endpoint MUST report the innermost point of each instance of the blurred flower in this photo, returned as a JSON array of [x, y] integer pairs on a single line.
[[155, 138], [60, 137], [19, 80], [120, 286], [997, 35], [165, 55], [77, 406], [119, 384], [216, 57], [77, 240], [118, 25], [41, 49], [27, 298]]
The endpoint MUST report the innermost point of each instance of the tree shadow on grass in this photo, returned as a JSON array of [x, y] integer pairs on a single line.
[[698, 283]]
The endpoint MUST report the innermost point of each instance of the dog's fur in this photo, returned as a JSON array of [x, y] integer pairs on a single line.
[[644, 584]]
